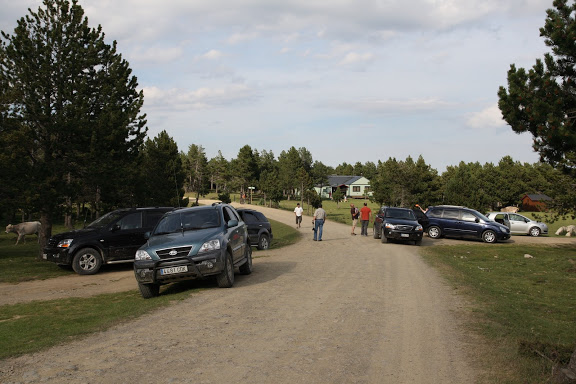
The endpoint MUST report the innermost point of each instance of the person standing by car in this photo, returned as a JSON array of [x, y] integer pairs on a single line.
[[365, 217], [298, 213], [355, 213], [318, 221]]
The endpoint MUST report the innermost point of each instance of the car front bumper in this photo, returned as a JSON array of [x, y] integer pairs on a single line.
[[167, 271], [404, 236], [57, 255]]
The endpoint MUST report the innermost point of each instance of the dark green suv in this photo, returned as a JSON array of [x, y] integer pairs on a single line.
[[194, 243]]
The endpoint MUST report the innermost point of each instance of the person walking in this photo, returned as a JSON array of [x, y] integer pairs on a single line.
[[355, 213], [365, 217], [318, 221], [298, 213]]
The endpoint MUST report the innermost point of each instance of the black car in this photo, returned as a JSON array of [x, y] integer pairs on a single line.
[[113, 238], [458, 221], [259, 229], [194, 243], [393, 223]]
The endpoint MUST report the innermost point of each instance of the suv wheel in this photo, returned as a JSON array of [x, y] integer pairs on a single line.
[[534, 231], [489, 236], [246, 268], [434, 232], [87, 261], [263, 242], [149, 291], [375, 233], [225, 278]]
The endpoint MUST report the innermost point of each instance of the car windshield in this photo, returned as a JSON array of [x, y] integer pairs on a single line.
[[105, 220], [400, 214], [188, 221]]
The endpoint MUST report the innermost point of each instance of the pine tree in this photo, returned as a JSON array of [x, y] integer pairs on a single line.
[[69, 102]]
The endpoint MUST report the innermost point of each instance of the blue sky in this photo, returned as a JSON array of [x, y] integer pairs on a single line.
[[349, 80]]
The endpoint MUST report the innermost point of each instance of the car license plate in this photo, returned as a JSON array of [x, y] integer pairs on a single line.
[[173, 270], [404, 235], [45, 256]]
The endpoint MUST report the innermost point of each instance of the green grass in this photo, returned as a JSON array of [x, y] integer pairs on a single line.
[[525, 307], [22, 262], [30, 327], [284, 235]]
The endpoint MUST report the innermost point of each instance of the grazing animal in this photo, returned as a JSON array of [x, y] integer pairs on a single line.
[[509, 209], [23, 229]]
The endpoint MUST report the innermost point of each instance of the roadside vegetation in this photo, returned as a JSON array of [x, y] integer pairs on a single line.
[[524, 306]]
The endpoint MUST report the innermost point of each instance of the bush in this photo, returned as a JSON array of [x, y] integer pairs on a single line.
[[224, 197]]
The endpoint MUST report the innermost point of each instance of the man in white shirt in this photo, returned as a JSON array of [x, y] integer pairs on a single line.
[[298, 212]]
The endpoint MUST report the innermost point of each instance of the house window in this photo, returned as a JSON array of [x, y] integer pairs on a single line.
[[355, 188], [366, 189]]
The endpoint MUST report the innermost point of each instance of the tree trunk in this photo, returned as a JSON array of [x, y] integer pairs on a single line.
[[45, 231]]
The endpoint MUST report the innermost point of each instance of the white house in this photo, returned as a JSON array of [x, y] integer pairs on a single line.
[[354, 187]]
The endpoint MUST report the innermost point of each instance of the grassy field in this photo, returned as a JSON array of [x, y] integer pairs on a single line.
[[524, 307]]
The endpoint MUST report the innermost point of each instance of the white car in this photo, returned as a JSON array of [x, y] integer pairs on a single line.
[[518, 224]]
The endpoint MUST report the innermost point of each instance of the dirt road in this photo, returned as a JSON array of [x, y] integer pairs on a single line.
[[345, 310]]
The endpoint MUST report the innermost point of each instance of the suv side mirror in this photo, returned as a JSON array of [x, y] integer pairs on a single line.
[[147, 235], [232, 223], [116, 227]]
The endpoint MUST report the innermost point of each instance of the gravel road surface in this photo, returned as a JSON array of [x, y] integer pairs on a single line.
[[345, 310]]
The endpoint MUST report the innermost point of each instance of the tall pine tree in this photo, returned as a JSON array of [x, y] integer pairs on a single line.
[[69, 101]]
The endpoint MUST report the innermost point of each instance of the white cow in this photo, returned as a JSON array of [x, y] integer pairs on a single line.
[[23, 229], [509, 209]]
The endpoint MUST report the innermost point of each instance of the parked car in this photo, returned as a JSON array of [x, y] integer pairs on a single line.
[[457, 221], [113, 238], [194, 243], [519, 224], [392, 223], [259, 229]]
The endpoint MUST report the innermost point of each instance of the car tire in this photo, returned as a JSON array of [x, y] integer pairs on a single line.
[[149, 291], [225, 278], [246, 268], [434, 232], [375, 232], [534, 231], [489, 236], [263, 242], [383, 238], [87, 261]]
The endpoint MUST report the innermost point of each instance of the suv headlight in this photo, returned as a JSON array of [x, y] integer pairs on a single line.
[[390, 226], [208, 246], [66, 243], [142, 255], [419, 228]]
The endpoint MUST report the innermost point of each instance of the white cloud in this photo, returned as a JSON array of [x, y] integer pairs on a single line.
[[490, 117], [156, 54], [212, 54], [201, 98], [356, 58]]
